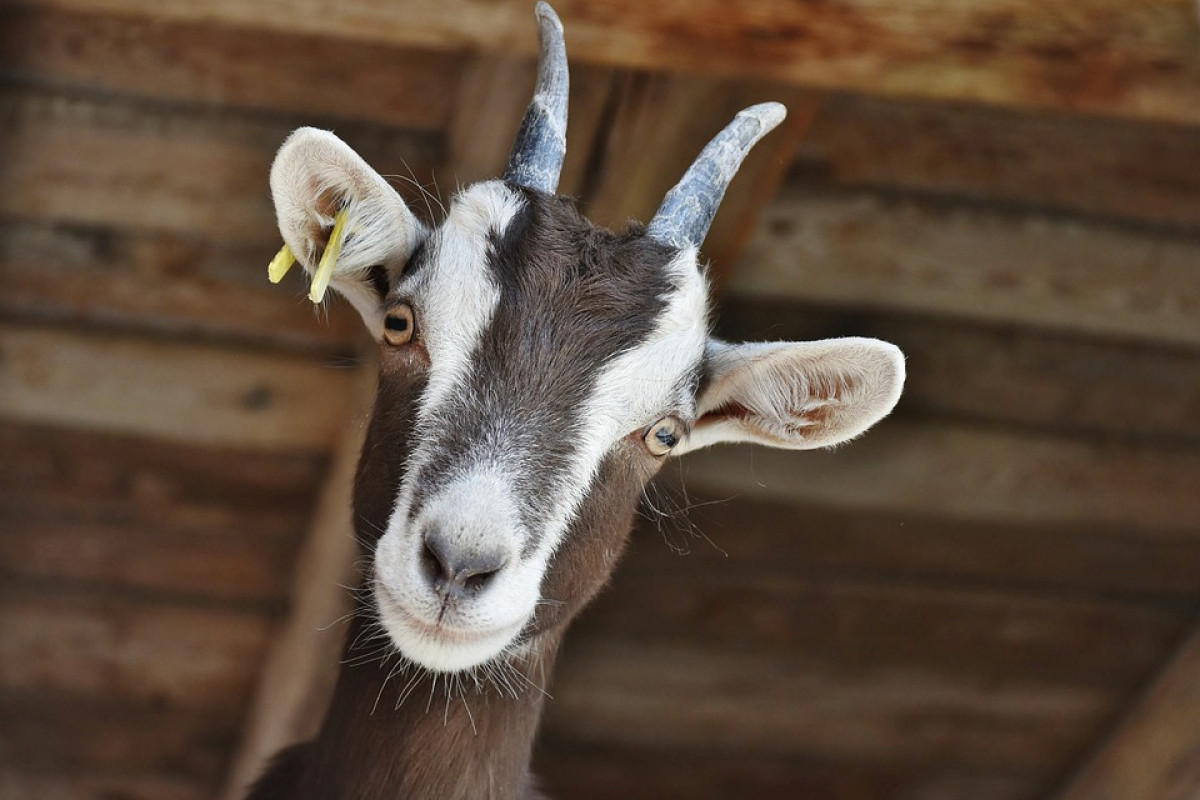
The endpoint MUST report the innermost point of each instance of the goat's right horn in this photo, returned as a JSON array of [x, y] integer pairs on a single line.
[[688, 209], [541, 146]]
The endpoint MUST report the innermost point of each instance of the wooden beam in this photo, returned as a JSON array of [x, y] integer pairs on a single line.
[[660, 124], [969, 473], [164, 284], [1027, 268], [704, 532], [1154, 754], [1000, 375], [891, 622], [88, 643], [1123, 169], [99, 477], [1128, 59], [179, 392], [197, 62], [198, 172], [645, 694], [297, 679]]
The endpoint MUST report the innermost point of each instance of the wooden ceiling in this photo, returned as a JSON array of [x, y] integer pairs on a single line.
[[991, 596]]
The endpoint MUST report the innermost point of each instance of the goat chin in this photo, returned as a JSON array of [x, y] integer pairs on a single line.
[[441, 647]]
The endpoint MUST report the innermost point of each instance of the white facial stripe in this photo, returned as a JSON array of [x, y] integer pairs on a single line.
[[458, 295], [637, 387]]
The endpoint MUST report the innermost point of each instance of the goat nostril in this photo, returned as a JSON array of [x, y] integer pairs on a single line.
[[476, 582], [433, 567]]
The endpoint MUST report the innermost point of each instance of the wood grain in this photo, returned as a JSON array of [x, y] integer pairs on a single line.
[[182, 392], [1101, 56], [1154, 753], [164, 284], [197, 171], [969, 473], [859, 249], [106, 646], [217, 65], [654, 695], [1117, 168]]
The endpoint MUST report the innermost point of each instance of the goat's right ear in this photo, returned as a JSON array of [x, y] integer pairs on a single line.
[[342, 221]]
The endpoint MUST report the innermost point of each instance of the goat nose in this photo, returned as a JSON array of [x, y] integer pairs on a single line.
[[453, 571]]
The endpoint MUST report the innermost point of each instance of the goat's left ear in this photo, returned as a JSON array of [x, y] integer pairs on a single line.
[[797, 395]]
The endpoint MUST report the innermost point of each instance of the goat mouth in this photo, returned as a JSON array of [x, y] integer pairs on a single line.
[[439, 645]]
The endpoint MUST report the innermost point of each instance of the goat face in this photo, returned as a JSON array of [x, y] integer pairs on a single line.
[[535, 372]]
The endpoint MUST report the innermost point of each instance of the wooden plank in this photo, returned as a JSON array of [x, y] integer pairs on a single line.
[[967, 473], [301, 669], [198, 171], [1104, 56], [101, 645], [584, 772], [660, 124], [61, 734], [1124, 169], [238, 565], [21, 786], [102, 478], [1028, 269], [649, 695], [163, 283], [1154, 754], [706, 532], [1016, 377], [180, 392], [212, 65], [846, 624]]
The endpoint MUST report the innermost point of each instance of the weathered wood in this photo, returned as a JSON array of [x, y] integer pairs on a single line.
[[190, 565], [1107, 56], [1017, 377], [298, 676], [163, 283], [104, 478], [1154, 754], [20, 786], [864, 249], [197, 171], [584, 772], [1123, 169], [650, 695], [62, 734], [491, 100], [104, 646], [660, 124], [182, 392], [705, 531], [849, 624], [968, 473], [213, 65]]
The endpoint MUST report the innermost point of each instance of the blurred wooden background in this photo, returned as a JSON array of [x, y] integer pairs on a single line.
[[990, 597]]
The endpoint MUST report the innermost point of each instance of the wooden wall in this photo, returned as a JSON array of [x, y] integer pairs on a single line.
[[988, 597]]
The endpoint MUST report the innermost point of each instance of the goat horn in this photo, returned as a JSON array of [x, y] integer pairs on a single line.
[[688, 209], [541, 145]]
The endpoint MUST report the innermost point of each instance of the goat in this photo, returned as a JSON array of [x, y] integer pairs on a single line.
[[535, 372]]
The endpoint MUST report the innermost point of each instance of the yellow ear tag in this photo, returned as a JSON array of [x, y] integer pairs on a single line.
[[280, 264], [316, 292]]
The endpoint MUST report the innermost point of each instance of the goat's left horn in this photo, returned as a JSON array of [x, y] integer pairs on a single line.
[[537, 155], [688, 209]]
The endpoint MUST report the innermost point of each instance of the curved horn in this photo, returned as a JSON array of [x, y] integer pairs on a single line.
[[541, 145], [688, 209]]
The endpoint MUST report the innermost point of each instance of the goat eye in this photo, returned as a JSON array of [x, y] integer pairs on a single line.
[[662, 436], [399, 325]]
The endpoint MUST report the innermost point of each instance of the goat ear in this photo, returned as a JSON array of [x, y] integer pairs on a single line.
[[317, 182], [798, 395]]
